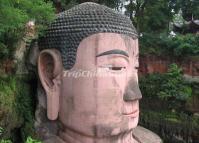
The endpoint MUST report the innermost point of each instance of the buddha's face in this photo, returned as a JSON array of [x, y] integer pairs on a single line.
[[100, 94]]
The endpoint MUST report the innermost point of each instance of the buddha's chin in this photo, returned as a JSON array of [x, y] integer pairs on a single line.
[[110, 131], [102, 129], [133, 122]]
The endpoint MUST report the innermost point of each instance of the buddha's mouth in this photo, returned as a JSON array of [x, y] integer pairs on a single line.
[[132, 114]]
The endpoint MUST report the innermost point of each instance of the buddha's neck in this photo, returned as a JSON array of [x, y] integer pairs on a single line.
[[73, 137]]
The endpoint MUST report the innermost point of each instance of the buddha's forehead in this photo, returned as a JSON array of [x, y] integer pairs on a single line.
[[102, 42]]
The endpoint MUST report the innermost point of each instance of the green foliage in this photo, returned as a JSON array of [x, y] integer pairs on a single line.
[[153, 44], [149, 15], [185, 45], [37, 10], [14, 14], [67, 4], [11, 17], [9, 116], [17, 105], [1, 131], [5, 141], [169, 86], [4, 52], [29, 140], [162, 45], [7, 92], [170, 125], [173, 86], [25, 108], [190, 9], [116, 4], [157, 16]]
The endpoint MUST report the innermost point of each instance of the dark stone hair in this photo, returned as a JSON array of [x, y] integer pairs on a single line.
[[73, 25]]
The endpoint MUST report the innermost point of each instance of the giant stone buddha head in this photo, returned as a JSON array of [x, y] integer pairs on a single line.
[[87, 66]]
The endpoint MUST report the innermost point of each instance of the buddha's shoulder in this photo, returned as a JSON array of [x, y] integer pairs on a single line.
[[143, 135]]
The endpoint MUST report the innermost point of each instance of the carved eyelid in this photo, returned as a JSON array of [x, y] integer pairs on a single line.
[[113, 66], [117, 68]]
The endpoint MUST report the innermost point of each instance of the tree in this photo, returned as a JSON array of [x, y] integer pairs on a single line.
[[149, 15], [135, 10], [190, 9], [66, 4], [14, 14]]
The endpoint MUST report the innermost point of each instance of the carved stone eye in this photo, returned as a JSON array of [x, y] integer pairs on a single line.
[[116, 68], [136, 68]]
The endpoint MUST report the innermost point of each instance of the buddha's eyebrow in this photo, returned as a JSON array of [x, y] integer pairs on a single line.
[[115, 51]]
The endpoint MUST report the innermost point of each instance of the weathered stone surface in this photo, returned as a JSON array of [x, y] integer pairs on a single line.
[[45, 128], [143, 135], [23, 48]]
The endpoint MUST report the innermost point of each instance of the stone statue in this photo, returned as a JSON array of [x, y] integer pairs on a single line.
[[87, 65]]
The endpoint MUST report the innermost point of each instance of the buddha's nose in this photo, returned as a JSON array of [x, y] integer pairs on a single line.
[[132, 91]]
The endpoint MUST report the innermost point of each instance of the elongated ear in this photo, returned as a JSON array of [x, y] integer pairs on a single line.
[[50, 71]]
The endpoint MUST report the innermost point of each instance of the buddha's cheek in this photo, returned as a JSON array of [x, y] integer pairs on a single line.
[[109, 118], [108, 106], [98, 114]]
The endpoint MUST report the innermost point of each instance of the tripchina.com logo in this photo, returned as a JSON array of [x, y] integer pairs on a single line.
[[100, 72]]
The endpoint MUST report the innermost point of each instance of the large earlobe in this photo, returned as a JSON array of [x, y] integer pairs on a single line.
[[50, 70]]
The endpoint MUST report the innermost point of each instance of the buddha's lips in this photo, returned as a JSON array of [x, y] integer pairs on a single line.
[[132, 114]]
